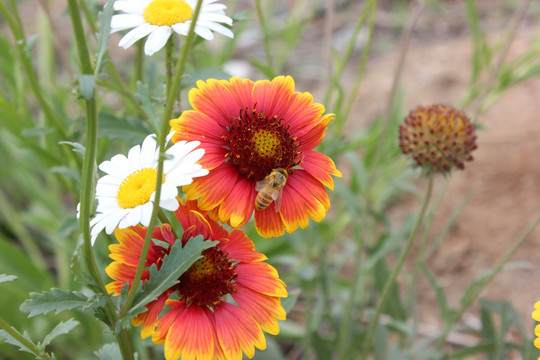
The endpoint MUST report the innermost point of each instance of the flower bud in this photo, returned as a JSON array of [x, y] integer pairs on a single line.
[[438, 137]]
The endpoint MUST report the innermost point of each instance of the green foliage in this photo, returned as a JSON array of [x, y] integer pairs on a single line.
[[173, 266], [58, 301]]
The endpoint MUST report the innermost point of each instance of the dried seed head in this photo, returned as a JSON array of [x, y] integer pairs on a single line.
[[438, 137]]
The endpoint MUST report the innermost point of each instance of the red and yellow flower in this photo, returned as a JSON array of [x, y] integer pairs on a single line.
[[197, 320], [248, 129]]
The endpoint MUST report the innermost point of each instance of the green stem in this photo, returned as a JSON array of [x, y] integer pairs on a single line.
[[169, 47], [266, 37], [344, 330], [171, 96], [87, 179], [20, 338], [392, 278], [139, 63], [486, 280]]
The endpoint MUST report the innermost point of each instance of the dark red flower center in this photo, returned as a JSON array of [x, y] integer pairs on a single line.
[[209, 279], [258, 144]]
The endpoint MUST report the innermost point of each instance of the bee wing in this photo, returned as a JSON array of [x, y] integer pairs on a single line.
[[277, 196], [259, 185]]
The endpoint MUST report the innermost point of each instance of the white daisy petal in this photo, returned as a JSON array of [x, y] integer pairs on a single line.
[[122, 166], [182, 28], [130, 6], [125, 21], [217, 8], [110, 180], [157, 40], [216, 18], [169, 204], [178, 151], [204, 32], [217, 28], [111, 221], [146, 213], [134, 156], [138, 33], [149, 153]]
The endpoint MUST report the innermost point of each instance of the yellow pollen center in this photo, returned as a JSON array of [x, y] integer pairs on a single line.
[[202, 268], [266, 143], [167, 12], [137, 188]]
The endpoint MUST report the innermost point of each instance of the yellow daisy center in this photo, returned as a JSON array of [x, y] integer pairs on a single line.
[[266, 143], [137, 188], [167, 12]]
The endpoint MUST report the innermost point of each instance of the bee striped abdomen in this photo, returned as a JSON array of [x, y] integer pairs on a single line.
[[263, 200]]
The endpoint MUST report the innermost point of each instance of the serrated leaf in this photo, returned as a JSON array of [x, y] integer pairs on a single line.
[[109, 352], [60, 329], [76, 146], [87, 85], [57, 300], [7, 278], [11, 340], [103, 35], [174, 265]]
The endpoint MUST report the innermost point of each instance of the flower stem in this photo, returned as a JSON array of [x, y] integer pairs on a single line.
[[87, 179], [485, 281], [171, 97], [24, 341], [392, 278], [266, 38]]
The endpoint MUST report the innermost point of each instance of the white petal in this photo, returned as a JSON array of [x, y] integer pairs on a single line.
[[110, 168], [216, 18], [149, 153], [134, 157], [122, 165], [204, 32], [146, 213], [106, 190], [113, 219], [138, 33], [170, 204], [178, 151], [168, 191], [181, 28], [131, 219], [107, 204], [125, 21], [130, 6], [213, 8], [110, 180], [157, 40], [217, 28]]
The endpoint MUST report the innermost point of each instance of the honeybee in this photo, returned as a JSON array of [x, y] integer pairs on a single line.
[[271, 189]]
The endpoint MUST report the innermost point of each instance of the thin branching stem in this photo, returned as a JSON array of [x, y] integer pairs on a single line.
[[517, 20], [171, 98], [399, 264]]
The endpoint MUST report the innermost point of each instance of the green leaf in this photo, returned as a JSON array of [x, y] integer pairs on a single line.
[[11, 340], [109, 352], [60, 329], [174, 265], [76, 146], [7, 278], [58, 300], [87, 85], [103, 35]]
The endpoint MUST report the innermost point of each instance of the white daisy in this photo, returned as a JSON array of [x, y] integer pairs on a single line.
[[159, 18], [126, 194]]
